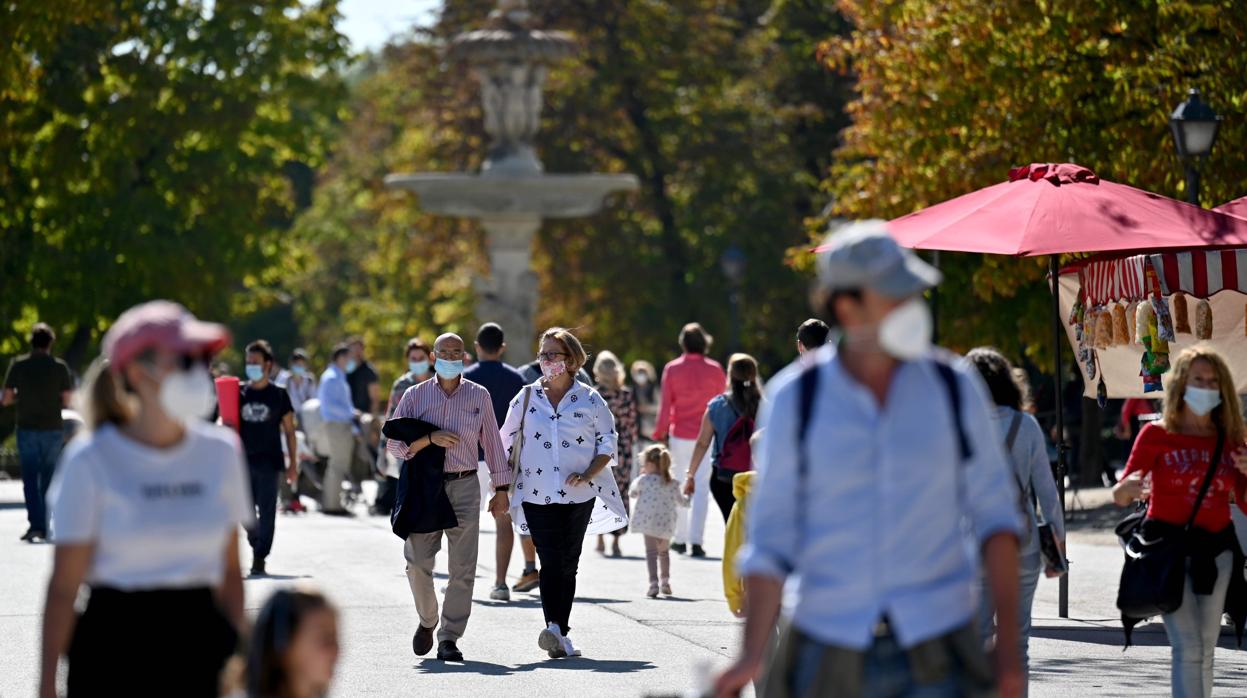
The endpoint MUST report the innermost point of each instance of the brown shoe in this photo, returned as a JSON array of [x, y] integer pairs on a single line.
[[528, 582], [423, 640]]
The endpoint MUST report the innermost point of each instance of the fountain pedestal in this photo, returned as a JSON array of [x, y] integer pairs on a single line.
[[512, 194]]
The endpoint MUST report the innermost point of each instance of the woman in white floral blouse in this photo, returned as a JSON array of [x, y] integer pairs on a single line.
[[563, 490]]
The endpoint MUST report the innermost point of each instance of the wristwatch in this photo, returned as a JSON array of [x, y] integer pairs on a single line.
[[502, 489]]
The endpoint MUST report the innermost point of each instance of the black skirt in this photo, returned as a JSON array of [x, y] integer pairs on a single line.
[[167, 642]]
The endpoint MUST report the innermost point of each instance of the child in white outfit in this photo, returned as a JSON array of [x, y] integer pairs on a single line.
[[658, 499]]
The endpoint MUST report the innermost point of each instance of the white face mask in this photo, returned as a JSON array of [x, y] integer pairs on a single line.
[[1201, 400], [187, 395], [905, 333]]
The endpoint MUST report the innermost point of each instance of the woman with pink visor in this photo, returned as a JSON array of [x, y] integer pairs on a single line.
[[145, 509]]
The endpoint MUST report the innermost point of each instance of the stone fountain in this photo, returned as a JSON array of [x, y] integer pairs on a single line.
[[512, 193]]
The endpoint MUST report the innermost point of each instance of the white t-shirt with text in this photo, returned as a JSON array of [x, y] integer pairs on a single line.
[[158, 517]]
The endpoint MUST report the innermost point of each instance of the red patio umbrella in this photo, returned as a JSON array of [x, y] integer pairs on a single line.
[[1237, 207], [1063, 208]]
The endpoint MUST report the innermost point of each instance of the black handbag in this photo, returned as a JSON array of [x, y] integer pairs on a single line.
[[1154, 572]]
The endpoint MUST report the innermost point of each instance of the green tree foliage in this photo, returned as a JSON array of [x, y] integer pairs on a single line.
[[152, 149], [952, 94], [720, 108]]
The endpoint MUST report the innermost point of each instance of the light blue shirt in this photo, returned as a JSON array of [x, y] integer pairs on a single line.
[[334, 394], [888, 503]]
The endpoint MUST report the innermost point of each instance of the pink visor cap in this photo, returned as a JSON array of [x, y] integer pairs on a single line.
[[162, 324]]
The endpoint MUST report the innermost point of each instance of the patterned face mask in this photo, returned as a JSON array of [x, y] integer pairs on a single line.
[[553, 369]]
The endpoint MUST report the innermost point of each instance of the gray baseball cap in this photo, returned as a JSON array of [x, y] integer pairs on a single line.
[[864, 255]]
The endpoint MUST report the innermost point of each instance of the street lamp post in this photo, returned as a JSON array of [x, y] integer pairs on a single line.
[[1194, 125], [733, 263]]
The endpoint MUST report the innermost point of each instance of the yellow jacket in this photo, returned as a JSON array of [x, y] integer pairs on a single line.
[[733, 586]]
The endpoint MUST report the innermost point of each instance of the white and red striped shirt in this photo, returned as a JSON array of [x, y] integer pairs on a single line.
[[466, 411]]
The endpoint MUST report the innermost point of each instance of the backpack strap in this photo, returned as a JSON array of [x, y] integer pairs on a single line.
[[1014, 425], [949, 378], [809, 387], [805, 407]]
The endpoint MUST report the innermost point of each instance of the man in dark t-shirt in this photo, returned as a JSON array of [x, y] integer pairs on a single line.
[[40, 385], [265, 412], [503, 384], [363, 379]]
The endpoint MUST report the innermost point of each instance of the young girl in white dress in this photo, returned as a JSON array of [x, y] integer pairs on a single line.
[[658, 499]]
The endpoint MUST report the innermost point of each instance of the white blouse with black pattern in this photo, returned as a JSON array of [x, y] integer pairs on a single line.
[[561, 441]]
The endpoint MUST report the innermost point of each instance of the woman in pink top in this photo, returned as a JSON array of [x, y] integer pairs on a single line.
[[688, 385]]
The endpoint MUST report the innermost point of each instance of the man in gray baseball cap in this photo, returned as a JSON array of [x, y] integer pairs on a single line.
[[870, 289], [874, 452]]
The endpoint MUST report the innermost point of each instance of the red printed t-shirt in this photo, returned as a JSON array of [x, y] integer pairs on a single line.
[[1178, 464]]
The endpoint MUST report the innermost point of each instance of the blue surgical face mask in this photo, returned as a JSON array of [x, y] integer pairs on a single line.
[[448, 370], [1201, 400], [350, 366], [300, 371], [418, 368], [255, 372]]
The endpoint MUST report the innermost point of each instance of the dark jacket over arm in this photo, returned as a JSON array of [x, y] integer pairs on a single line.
[[422, 505]]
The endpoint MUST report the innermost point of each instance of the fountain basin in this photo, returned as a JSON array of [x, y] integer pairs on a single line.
[[495, 195]]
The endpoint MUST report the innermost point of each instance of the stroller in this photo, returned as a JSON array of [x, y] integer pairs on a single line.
[[314, 455]]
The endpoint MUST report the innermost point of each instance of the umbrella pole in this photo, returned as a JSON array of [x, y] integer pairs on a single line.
[[935, 301], [1054, 269]]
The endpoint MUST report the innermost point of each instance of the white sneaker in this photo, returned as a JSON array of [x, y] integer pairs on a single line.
[[569, 648], [551, 640]]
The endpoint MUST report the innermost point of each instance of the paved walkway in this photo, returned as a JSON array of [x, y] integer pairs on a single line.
[[633, 646]]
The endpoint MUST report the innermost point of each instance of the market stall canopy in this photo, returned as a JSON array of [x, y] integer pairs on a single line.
[[1064, 208], [1237, 207], [1204, 296]]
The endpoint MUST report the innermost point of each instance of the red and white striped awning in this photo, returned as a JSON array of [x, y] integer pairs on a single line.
[[1113, 280], [1200, 273]]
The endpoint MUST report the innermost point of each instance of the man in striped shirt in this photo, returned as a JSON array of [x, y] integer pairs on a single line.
[[465, 415]]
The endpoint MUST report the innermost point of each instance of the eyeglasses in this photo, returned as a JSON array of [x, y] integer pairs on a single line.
[[188, 361], [552, 355], [449, 355]]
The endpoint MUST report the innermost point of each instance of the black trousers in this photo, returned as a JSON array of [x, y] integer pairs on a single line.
[[265, 479], [167, 642], [558, 531], [721, 490]]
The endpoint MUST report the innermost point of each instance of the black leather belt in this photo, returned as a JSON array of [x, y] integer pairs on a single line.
[[458, 476]]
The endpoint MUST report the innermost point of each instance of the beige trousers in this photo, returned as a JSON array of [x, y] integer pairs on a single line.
[[421, 549], [341, 449]]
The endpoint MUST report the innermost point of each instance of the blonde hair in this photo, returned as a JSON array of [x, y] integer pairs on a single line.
[[101, 399], [565, 337], [647, 367], [607, 362], [1228, 416], [659, 455], [1026, 401]]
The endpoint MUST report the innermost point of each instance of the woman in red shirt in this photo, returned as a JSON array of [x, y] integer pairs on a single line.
[[1167, 465]]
